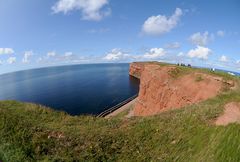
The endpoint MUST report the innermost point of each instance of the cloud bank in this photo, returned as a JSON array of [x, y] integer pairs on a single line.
[[154, 53], [6, 51], [116, 55], [27, 56], [90, 9], [11, 60]]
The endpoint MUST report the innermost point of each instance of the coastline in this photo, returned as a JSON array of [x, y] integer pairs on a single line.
[[45, 135], [125, 107]]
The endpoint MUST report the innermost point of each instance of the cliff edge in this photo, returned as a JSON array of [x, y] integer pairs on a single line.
[[164, 87], [208, 131]]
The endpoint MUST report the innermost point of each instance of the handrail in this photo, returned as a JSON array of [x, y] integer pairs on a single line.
[[110, 110]]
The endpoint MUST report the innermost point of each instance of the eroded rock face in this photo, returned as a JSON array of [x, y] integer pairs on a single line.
[[136, 69], [160, 91]]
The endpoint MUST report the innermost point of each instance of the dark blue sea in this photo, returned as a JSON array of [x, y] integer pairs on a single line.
[[75, 89]]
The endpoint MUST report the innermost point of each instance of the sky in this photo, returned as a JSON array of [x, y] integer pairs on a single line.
[[43, 33]]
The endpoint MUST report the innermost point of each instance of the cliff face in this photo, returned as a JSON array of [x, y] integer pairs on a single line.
[[136, 69], [162, 89]]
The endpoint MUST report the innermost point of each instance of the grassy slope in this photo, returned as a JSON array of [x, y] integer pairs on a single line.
[[31, 132]]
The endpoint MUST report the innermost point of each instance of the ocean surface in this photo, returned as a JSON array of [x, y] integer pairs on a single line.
[[75, 89]]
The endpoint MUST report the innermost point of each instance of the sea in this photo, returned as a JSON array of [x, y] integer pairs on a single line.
[[75, 89]]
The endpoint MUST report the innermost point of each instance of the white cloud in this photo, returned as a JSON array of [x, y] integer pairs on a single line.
[[68, 54], [173, 45], [40, 59], [160, 24], [90, 9], [199, 52], [6, 51], [51, 54], [26, 56], [221, 33], [201, 39], [115, 55], [180, 54], [154, 53], [54, 58], [11, 60], [238, 63], [223, 58]]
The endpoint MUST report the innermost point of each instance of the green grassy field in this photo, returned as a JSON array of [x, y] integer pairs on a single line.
[[30, 132]]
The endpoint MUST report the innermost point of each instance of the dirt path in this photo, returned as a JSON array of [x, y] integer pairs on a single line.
[[122, 109], [231, 114]]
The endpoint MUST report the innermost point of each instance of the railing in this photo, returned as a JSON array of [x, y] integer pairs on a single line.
[[110, 110]]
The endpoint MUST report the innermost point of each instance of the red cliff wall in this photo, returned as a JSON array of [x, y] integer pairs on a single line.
[[160, 91], [136, 69]]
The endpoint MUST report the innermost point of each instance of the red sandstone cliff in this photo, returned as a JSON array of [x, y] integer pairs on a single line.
[[160, 90], [136, 69]]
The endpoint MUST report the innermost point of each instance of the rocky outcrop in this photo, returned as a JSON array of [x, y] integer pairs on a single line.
[[136, 69], [163, 88]]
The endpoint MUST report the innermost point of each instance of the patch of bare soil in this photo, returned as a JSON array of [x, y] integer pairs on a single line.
[[231, 114]]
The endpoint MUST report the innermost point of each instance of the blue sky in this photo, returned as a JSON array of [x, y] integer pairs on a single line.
[[58, 32]]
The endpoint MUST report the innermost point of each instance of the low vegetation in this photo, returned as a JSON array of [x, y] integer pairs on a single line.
[[199, 78], [30, 132]]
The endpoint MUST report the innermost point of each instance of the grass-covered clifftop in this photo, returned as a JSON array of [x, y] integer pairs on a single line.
[[30, 132]]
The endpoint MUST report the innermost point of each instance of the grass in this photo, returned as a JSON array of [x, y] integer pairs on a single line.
[[34, 133], [179, 71], [199, 78], [124, 113], [30, 132]]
